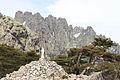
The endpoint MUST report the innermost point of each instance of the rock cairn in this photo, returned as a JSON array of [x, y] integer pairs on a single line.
[[47, 70], [38, 70]]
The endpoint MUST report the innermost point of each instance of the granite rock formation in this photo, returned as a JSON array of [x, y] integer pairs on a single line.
[[13, 33], [32, 31], [58, 35], [47, 70]]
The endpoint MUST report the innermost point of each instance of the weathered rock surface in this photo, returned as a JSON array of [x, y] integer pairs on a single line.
[[47, 70], [58, 34], [53, 34], [15, 34]]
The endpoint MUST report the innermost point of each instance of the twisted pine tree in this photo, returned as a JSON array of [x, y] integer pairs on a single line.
[[92, 58]]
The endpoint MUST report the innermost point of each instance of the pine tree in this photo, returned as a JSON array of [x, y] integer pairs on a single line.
[[92, 58]]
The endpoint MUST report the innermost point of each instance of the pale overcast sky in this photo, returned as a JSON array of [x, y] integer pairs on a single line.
[[102, 15]]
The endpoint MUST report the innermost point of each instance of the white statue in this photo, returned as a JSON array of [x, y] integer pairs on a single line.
[[42, 53]]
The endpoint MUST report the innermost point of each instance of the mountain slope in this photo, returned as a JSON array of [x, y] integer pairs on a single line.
[[15, 34]]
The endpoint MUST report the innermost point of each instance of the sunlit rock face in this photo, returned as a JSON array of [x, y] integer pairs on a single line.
[[56, 31], [14, 33]]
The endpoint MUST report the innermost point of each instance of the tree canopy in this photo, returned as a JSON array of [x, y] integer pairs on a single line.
[[11, 59], [91, 58]]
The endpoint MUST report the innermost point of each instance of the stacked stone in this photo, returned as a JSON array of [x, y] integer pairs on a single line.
[[38, 70], [47, 70]]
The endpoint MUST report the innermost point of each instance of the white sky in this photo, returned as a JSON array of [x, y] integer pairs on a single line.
[[102, 15]]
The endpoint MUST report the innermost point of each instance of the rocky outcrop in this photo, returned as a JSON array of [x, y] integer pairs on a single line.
[[13, 33], [58, 34], [47, 70]]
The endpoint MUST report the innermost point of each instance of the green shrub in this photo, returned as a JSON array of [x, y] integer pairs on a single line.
[[92, 58], [11, 59]]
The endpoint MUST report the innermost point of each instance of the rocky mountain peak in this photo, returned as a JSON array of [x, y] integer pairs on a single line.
[[32, 31], [37, 15], [20, 13], [58, 34]]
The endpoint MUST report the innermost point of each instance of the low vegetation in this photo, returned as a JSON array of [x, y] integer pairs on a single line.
[[92, 58], [11, 59]]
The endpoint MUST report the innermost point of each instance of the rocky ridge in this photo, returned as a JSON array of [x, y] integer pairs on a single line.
[[47, 70], [58, 34], [15, 34], [30, 32]]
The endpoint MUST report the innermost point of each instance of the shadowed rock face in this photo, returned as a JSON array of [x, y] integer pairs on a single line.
[[57, 33]]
